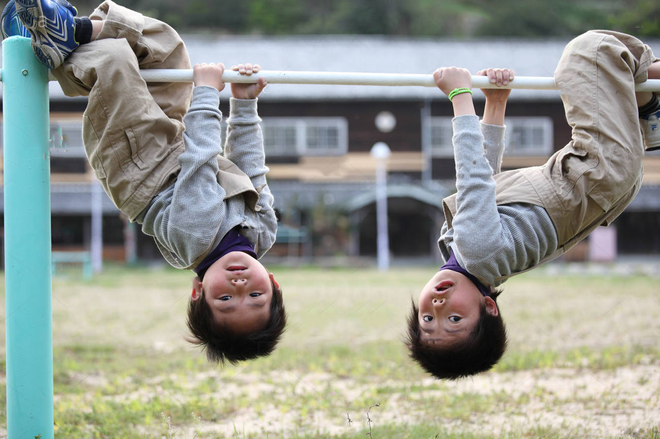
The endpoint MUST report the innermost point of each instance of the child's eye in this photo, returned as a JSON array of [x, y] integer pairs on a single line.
[[255, 294], [454, 319], [225, 298], [427, 318]]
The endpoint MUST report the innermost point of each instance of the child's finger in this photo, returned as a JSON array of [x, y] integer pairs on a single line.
[[240, 68], [248, 69], [498, 77], [505, 76], [491, 76], [437, 75]]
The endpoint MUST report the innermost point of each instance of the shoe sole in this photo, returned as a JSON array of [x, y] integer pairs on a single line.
[[32, 16]]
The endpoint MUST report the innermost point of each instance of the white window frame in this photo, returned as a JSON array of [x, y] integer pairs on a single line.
[[283, 123], [544, 149], [301, 125], [446, 149]]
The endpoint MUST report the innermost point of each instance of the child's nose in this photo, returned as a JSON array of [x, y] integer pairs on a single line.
[[238, 281], [438, 301]]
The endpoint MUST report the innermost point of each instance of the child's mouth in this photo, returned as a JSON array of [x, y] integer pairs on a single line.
[[444, 285], [236, 268]]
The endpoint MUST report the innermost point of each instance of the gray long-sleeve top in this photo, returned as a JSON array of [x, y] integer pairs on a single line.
[[488, 240], [190, 217]]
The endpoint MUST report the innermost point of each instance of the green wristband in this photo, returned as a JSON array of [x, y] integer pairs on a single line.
[[458, 91]]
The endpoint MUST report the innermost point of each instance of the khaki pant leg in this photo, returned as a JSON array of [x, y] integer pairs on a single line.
[[599, 169], [156, 46], [133, 132]]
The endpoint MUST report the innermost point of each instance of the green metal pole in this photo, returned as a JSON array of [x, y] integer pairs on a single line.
[[28, 311]]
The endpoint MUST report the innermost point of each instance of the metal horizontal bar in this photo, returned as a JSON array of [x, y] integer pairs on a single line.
[[353, 78]]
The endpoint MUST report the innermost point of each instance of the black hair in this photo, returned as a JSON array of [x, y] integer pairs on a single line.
[[221, 344], [479, 352]]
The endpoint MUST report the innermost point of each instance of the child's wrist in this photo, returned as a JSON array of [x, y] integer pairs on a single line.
[[459, 91], [463, 105], [497, 101], [461, 98]]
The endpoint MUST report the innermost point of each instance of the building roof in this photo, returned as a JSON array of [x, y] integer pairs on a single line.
[[377, 54]]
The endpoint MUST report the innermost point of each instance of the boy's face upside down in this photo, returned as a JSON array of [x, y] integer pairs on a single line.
[[239, 292], [449, 308]]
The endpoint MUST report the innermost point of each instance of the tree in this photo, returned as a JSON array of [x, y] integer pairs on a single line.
[[640, 18]]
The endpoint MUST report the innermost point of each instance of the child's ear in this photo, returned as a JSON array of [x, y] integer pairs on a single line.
[[197, 289], [272, 279], [491, 307]]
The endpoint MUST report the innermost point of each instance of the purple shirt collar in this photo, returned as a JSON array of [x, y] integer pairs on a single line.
[[452, 264], [233, 241]]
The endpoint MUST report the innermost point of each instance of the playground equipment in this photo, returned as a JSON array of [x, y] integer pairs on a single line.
[[28, 314], [353, 78], [28, 309]]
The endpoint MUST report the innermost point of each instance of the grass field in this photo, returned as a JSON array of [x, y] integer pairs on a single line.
[[583, 361]]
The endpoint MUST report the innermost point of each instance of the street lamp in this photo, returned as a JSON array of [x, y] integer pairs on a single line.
[[380, 151]]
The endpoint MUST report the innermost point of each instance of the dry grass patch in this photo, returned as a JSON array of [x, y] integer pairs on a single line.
[[584, 360]]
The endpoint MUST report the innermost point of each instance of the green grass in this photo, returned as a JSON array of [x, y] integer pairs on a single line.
[[583, 354]]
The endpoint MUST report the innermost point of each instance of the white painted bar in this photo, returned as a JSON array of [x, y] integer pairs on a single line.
[[354, 78]]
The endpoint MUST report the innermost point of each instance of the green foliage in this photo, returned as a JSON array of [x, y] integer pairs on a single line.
[[444, 18], [275, 16], [541, 18], [640, 18]]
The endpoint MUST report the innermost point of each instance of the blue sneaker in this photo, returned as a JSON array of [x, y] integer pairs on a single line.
[[651, 130], [52, 27], [11, 25]]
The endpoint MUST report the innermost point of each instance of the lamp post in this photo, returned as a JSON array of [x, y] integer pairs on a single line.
[[380, 151], [97, 227]]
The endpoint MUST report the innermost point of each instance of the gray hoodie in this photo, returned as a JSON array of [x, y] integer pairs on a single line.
[[190, 217], [488, 240]]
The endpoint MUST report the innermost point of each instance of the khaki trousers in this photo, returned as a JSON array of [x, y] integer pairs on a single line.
[[132, 131], [597, 174]]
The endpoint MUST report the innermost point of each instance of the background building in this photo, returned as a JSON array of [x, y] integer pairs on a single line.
[[318, 140]]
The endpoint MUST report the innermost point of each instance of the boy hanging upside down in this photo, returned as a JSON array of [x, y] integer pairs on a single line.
[[209, 209], [500, 224]]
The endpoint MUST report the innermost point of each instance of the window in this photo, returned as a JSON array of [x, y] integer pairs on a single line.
[[528, 136], [283, 136], [280, 137], [525, 136], [288, 136], [66, 139], [441, 133]]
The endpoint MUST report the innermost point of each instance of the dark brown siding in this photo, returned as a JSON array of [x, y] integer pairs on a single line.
[[444, 168], [362, 131]]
